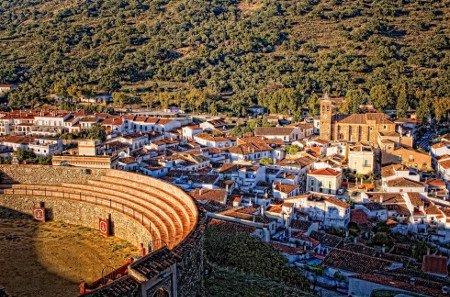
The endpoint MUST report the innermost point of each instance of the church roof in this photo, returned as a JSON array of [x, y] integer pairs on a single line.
[[379, 118]]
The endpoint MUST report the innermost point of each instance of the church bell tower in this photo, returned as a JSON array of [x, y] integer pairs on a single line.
[[326, 112]]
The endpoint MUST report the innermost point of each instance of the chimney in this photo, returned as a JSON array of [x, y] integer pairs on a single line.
[[201, 191]]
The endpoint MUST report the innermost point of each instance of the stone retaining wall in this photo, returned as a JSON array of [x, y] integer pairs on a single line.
[[46, 174], [81, 213]]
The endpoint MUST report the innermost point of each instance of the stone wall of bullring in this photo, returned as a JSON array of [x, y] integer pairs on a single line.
[[46, 174], [81, 213]]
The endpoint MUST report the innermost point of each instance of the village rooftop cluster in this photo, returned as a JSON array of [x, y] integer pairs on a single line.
[[357, 202]]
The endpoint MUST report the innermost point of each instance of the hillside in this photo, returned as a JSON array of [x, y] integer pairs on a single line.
[[272, 52]]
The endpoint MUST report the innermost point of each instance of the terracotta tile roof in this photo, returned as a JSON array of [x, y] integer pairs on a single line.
[[228, 167], [379, 118], [432, 209], [385, 198], [218, 195], [217, 122], [249, 148], [435, 182], [439, 145], [319, 140], [127, 160], [259, 139], [404, 182], [400, 208], [301, 225], [445, 164], [352, 261], [325, 171], [399, 284], [273, 131], [358, 216], [390, 170], [210, 137], [374, 206], [275, 208], [303, 161], [17, 139], [415, 198], [327, 239], [284, 188], [113, 120]]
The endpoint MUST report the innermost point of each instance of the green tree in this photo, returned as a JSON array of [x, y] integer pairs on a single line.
[[292, 149], [353, 99], [423, 109], [402, 101], [441, 107], [380, 97], [265, 161], [313, 103], [96, 132], [118, 99], [24, 155]]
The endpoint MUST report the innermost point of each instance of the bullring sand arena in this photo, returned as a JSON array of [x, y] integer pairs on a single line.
[[152, 221]]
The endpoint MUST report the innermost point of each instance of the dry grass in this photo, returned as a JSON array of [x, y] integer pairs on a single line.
[[249, 6]]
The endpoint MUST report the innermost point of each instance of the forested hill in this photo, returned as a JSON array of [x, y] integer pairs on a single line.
[[272, 52]]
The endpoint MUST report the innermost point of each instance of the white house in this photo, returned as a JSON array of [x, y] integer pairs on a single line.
[[214, 141], [286, 134], [325, 180], [440, 149], [327, 209], [250, 152], [443, 168], [283, 191], [402, 184], [190, 131]]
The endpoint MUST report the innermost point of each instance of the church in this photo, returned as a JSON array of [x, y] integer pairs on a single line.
[[366, 128]]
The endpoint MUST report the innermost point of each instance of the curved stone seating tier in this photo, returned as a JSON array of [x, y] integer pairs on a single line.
[[153, 194], [165, 210], [158, 187], [155, 205]]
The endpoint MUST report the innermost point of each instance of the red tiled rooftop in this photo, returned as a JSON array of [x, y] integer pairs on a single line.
[[435, 264], [325, 171]]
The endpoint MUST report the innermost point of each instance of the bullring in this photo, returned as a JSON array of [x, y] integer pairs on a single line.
[[144, 211]]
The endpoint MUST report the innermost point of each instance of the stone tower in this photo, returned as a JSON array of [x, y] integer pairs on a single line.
[[326, 113]]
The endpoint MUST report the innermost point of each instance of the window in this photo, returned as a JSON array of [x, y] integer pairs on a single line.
[[366, 163]]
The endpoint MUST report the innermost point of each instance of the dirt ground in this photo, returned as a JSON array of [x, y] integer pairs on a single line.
[[53, 258]]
